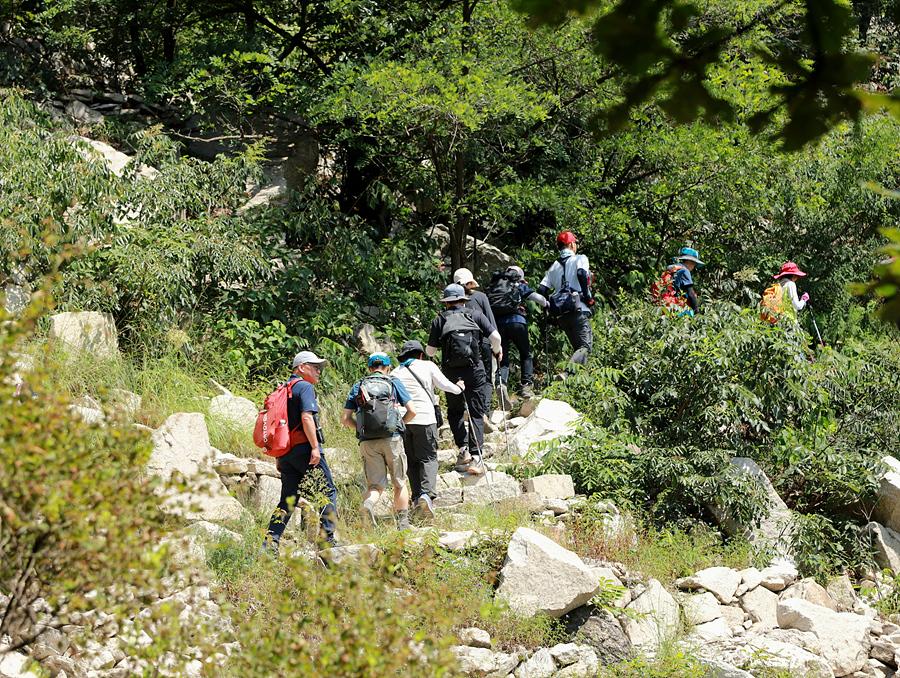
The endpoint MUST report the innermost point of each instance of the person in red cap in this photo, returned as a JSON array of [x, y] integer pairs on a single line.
[[570, 303], [781, 298]]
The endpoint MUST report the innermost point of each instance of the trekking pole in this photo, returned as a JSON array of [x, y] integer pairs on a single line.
[[473, 437], [815, 325], [505, 423]]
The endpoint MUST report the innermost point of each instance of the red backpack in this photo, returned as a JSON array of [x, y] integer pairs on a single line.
[[272, 432], [662, 292]]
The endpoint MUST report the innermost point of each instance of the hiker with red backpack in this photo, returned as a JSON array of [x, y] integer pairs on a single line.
[[288, 429], [571, 301], [780, 299], [507, 294], [373, 410], [675, 288]]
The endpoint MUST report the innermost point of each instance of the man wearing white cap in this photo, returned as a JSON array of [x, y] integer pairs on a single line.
[[306, 450], [476, 299]]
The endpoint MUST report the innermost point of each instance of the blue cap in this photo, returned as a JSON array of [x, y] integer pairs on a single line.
[[454, 292], [378, 359], [690, 254]]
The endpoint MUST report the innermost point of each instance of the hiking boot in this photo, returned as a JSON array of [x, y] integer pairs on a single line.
[[527, 391], [403, 520], [463, 459], [476, 467], [269, 548], [367, 511], [425, 507]]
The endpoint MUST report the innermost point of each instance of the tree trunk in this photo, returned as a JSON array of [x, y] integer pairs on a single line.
[[168, 32], [459, 229]]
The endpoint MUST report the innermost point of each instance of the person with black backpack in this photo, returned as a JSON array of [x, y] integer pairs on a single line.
[[420, 440], [373, 409], [507, 294], [478, 300], [571, 302], [457, 332]]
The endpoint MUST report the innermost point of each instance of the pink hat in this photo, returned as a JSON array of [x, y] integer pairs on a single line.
[[789, 268]]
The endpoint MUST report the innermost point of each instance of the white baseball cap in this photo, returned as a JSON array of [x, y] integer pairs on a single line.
[[307, 357], [463, 276]]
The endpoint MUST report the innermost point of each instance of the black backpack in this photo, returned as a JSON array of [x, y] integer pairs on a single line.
[[460, 340], [377, 402], [504, 293]]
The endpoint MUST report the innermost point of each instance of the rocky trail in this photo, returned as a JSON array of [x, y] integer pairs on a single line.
[[738, 622]]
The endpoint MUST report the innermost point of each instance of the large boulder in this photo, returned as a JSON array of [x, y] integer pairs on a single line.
[[550, 420], [87, 331], [182, 453], [551, 485], [811, 591], [843, 636], [114, 160], [701, 608], [762, 606], [773, 655], [234, 411], [772, 531], [539, 575], [488, 259], [602, 631], [886, 546], [887, 510], [653, 619], [539, 665]]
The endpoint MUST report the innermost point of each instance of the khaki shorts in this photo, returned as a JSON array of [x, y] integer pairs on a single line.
[[380, 457]]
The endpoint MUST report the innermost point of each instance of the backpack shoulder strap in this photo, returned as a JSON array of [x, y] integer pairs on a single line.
[[419, 381]]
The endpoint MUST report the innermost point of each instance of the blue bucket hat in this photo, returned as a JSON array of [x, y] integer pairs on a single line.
[[689, 254], [377, 359], [454, 292]]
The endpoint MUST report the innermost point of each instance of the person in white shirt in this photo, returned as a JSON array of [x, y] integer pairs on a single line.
[[420, 439]]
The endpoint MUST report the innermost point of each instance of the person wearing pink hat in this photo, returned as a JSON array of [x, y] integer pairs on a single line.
[[784, 300]]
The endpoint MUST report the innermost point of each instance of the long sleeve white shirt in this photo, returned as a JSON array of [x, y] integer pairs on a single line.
[[423, 399]]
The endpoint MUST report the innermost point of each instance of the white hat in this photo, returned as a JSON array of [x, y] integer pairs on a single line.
[[463, 276], [517, 270], [307, 357]]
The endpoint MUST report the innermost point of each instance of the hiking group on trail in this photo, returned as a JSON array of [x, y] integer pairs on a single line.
[[395, 412]]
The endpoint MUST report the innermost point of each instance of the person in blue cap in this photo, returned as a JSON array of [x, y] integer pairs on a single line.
[[373, 408], [683, 281]]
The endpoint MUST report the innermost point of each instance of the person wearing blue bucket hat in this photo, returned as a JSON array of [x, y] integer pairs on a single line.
[[683, 281]]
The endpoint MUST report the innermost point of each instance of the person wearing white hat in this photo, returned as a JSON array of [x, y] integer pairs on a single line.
[[306, 453], [476, 299]]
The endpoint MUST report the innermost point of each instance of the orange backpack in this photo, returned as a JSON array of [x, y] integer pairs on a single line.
[[771, 306]]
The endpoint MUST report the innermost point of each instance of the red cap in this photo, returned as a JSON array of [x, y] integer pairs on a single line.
[[566, 238], [789, 268]]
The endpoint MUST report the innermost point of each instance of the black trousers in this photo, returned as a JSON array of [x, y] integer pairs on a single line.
[[475, 380], [294, 467], [420, 443], [516, 334], [577, 327]]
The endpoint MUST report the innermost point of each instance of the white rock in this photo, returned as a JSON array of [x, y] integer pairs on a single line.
[[273, 194], [762, 606], [234, 411], [227, 464], [264, 468], [722, 582], [551, 486], [115, 161], [88, 415], [479, 661], [461, 540], [720, 669], [550, 420], [654, 618], [87, 331], [557, 506], [886, 543], [212, 531], [497, 417], [716, 629], [516, 422], [474, 637], [809, 590], [844, 637], [126, 402], [14, 665], [887, 510], [779, 577], [841, 591], [750, 578], [772, 531], [539, 665], [701, 608], [570, 653], [491, 487], [352, 554], [265, 494], [773, 655], [734, 616], [539, 575], [181, 445]]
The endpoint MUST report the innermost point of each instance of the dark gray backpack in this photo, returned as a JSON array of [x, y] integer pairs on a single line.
[[460, 340], [378, 416]]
